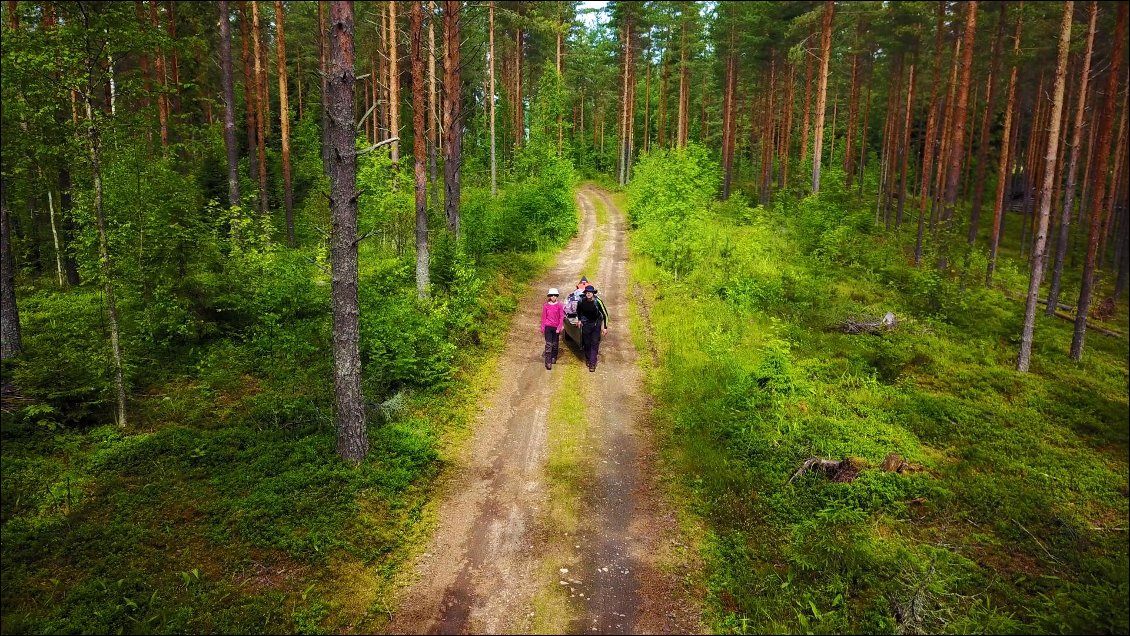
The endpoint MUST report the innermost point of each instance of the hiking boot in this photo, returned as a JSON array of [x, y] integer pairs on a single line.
[[592, 368], [548, 366]]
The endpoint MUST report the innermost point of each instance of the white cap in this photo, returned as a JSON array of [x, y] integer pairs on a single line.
[[552, 292]]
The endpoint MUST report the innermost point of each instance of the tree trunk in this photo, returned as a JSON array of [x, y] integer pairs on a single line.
[[986, 119], [433, 109], [324, 73], [663, 81], [958, 144], [250, 90], [284, 122], [493, 160], [822, 92], [767, 133], [452, 116], [904, 148], [832, 133], [142, 63], [1050, 157], [787, 136], [352, 440], [171, 27], [104, 258], [162, 96], [853, 108], [55, 236], [623, 133], [890, 150], [945, 136], [229, 105], [863, 142], [69, 264], [728, 122], [1116, 177], [1098, 188], [393, 89], [1072, 167], [807, 102], [560, 33], [929, 140], [519, 108], [260, 115], [1003, 163], [684, 88], [418, 143], [10, 345]]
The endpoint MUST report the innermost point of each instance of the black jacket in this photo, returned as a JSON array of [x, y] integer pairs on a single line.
[[593, 311]]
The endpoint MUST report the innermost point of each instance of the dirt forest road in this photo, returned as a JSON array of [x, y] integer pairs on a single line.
[[495, 556]]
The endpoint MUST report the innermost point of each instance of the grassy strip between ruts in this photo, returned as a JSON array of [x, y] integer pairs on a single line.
[[1016, 520], [599, 235], [567, 469]]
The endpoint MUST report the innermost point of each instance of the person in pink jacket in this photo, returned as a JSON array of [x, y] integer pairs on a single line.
[[552, 322]]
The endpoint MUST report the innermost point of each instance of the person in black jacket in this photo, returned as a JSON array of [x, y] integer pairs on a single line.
[[594, 324]]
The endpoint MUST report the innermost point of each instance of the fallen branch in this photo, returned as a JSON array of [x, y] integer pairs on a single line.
[[1090, 327], [842, 471], [848, 469], [1069, 317], [886, 323]]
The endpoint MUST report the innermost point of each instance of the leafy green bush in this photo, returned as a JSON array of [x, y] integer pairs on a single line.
[[666, 200]]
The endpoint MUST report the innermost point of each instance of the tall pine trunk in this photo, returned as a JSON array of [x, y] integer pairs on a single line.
[[10, 344], [930, 138], [260, 114], [1112, 191], [986, 119], [1038, 249], [433, 108], [490, 103], [953, 174], [822, 91], [767, 134], [728, 122], [452, 116], [807, 102], [904, 147], [418, 144], [393, 89], [684, 87], [1106, 123], [284, 121], [1005, 159], [352, 441], [162, 95], [324, 72], [853, 109], [1072, 168], [229, 105]]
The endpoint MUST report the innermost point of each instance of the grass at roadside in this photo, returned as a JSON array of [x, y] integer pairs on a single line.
[[224, 508], [1015, 521]]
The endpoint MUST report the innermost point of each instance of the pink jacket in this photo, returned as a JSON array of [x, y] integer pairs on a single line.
[[553, 315]]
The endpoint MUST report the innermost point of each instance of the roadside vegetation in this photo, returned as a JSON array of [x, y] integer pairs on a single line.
[[1011, 513], [223, 506]]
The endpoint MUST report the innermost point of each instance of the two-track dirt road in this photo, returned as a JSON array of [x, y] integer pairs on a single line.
[[486, 561]]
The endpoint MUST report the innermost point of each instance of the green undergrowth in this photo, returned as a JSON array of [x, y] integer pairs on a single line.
[[223, 506], [1013, 515]]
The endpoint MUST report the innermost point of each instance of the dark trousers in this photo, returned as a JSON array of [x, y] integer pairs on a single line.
[[590, 341], [552, 338]]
